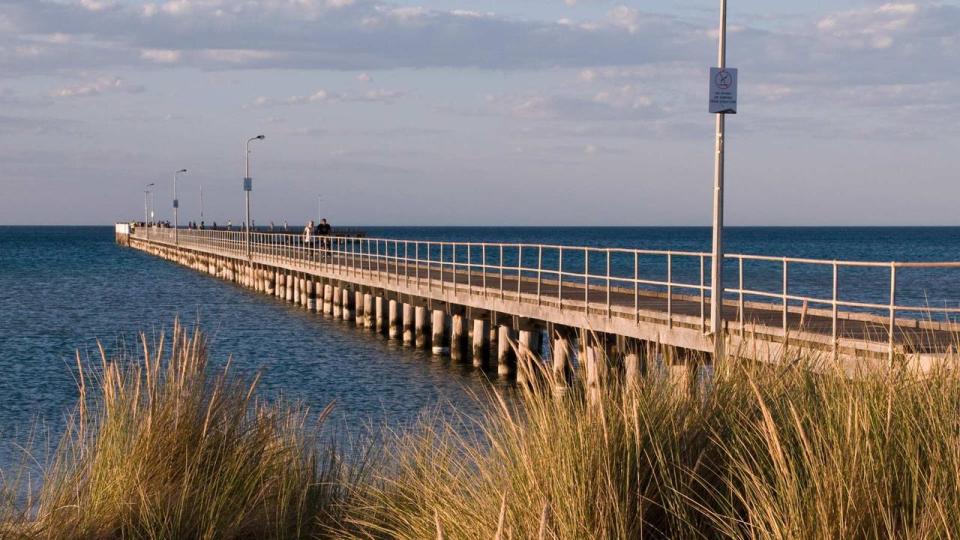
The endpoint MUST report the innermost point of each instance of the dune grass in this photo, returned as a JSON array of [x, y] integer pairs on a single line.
[[766, 452], [165, 446]]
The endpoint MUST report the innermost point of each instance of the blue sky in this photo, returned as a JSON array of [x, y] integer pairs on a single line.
[[462, 112]]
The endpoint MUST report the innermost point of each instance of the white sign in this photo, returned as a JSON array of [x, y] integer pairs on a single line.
[[723, 90]]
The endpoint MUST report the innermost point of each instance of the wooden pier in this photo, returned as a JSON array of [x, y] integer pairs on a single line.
[[487, 301]]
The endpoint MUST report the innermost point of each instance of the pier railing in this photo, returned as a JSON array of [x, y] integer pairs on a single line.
[[665, 285]]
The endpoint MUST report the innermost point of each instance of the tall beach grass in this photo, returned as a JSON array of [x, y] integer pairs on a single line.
[[166, 446], [765, 452]]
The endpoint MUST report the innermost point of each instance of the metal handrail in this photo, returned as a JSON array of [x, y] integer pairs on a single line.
[[427, 263]]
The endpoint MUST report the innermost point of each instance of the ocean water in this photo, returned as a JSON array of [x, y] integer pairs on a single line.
[[64, 288]]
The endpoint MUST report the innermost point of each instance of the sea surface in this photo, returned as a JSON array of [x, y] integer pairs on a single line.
[[64, 288]]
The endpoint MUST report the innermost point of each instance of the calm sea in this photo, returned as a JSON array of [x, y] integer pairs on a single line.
[[64, 288]]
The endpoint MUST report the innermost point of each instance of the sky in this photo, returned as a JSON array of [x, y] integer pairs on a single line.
[[470, 112]]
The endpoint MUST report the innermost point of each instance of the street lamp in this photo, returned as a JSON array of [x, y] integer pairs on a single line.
[[146, 193], [248, 187], [201, 201], [176, 208]]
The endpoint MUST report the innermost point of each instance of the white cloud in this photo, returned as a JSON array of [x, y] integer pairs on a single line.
[[96, 87], [161, 56], [326, 96]]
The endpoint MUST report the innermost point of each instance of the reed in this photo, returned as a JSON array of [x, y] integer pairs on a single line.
[[763, 452], [166, 447]]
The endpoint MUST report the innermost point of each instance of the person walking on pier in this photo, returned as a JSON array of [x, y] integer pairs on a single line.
[[323, 232], [308, 233]]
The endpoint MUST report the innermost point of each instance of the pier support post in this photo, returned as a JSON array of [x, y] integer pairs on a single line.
[[379, 314], [289, 293], [420, 326], [506, 362], [311, 295], [279, 286], [562, 367], [368, 311], [347, 305], [358, 308], [458, 331], [481, 342], [439, 326], [393, 319], [525, 358], [297, 287], [633, 362], [337, 302], [267, 281], [407, 324], [327, 299]]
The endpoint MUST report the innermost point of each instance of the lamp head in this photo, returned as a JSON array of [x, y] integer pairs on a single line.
[[261, 137]]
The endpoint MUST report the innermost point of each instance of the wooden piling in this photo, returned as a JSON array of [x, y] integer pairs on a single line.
[[506, 364], [481, 342], [420, 326], [393, 319], [379, 321], [458, 332], [359, 308], [524, 355], [347, 305], [327, 299], [368, 311], [408, 323], [311, 295], [562, 366], [439, 326], [337, 302]]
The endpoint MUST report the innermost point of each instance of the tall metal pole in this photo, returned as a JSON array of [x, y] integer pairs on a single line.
[[201, 202], [247, 188], [176, 209], [716, 267], [146, 194]]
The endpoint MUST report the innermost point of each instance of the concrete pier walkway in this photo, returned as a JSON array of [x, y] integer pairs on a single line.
[[523, 286]]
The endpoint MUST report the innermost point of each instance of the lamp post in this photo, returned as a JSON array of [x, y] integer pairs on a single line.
[[146, 193], [248, 187], [201, 202], [716, 265], [176, 208], [319, 208]]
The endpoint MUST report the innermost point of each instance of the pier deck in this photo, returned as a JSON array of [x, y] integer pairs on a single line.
[[559, 285]]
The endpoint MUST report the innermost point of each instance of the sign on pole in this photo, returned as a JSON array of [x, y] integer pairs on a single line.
[[248, 184], [723, 90]]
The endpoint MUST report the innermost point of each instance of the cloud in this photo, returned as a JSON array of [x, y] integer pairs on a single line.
[[161, 56], [341, 34], [327, 96], [98, 86]]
